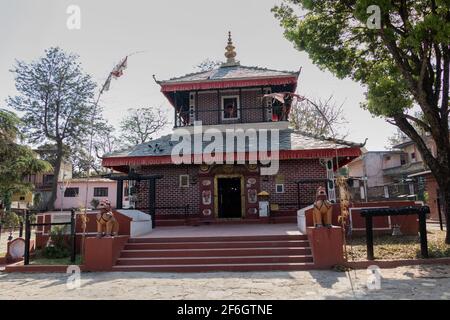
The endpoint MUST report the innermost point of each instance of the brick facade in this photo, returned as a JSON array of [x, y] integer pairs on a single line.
[[169, 193], [292, 171], [168, 190]]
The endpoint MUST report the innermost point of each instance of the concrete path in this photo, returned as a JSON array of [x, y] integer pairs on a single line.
[[420, 282]]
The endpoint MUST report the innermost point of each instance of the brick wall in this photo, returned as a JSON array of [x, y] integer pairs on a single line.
[[169, 193], [292, 171], [209, 102], [168, 190]]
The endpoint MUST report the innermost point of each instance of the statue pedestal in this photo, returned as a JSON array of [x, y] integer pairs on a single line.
[[327, 246], [101, 254]]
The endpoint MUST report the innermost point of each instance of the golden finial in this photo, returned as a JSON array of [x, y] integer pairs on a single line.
[[230, 53]]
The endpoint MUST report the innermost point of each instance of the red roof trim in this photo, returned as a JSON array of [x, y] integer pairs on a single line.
[[224, 84], [283, 155]]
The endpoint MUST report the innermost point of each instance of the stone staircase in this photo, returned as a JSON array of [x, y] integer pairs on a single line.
[[193, 221], [221, 253]]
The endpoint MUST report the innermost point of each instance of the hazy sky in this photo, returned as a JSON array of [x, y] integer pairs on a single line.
[[176, 35]]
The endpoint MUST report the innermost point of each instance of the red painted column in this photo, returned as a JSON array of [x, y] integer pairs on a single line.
[[327, 246]]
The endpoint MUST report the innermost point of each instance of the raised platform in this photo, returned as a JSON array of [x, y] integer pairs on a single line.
[[222, 230]]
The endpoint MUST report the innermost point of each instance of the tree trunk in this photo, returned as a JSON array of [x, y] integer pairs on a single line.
[[445, 192], [56, 170]]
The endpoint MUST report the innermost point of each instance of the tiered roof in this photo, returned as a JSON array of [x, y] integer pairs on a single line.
[[292, 145]]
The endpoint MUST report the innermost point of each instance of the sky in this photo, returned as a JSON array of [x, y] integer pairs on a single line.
[[175, 36]]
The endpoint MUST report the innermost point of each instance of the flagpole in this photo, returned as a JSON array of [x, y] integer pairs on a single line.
[[116, 73], [105, 86], [94, 111], [91, 135], [84, 219]]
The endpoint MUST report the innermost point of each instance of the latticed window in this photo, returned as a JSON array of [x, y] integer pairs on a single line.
[[100, 192]]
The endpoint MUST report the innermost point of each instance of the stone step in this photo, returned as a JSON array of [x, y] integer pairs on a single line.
[[214, 260], [217, 267], [216, 252], [194, 221], [216, 245], [219, 238]]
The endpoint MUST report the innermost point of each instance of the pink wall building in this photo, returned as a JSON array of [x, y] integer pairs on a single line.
[[72, 192]]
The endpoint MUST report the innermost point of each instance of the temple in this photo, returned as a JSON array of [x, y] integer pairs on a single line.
[[224, 177]]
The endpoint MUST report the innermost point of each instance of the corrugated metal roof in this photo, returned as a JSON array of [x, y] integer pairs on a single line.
[[289, 139], [230, 73]]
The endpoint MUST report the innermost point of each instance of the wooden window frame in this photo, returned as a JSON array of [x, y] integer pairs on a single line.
[[222, 109]]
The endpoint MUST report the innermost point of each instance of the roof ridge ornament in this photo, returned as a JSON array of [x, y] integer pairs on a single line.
[[230, 53]]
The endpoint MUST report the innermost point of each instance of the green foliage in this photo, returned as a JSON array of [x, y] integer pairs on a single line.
[[56, 98], [58, 246], [426, 197], [438, 250], [16, 161], [386, 95], [9, 127], [403, 62], [336, 37], [37, 200], [10, 220], [40, 260]]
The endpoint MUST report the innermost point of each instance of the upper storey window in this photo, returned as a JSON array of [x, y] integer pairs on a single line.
[[230, 107]]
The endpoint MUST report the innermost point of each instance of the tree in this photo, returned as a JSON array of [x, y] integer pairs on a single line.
[[104, 141], [140, 124], [399, 50], [56, 97], [318, 117], [16, 161]]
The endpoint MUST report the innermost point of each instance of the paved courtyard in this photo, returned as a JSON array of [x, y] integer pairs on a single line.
[[418, 282]]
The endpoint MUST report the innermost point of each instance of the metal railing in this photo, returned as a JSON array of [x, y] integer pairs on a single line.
[[28, 226], [244, 115], [422, 212]]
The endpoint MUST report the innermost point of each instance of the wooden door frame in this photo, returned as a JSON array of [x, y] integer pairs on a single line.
[[216, 193]]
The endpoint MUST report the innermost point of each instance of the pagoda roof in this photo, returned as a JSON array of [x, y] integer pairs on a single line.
[[292, 145], [228, 76], [231, 73]]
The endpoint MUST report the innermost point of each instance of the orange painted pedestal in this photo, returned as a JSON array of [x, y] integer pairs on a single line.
[[326, 246], [101, 254]]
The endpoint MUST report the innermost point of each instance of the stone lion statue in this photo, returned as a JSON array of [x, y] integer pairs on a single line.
[[107, 224], [323, 208]]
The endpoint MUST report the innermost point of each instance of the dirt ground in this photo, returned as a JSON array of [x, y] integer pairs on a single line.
[[418, 282]]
